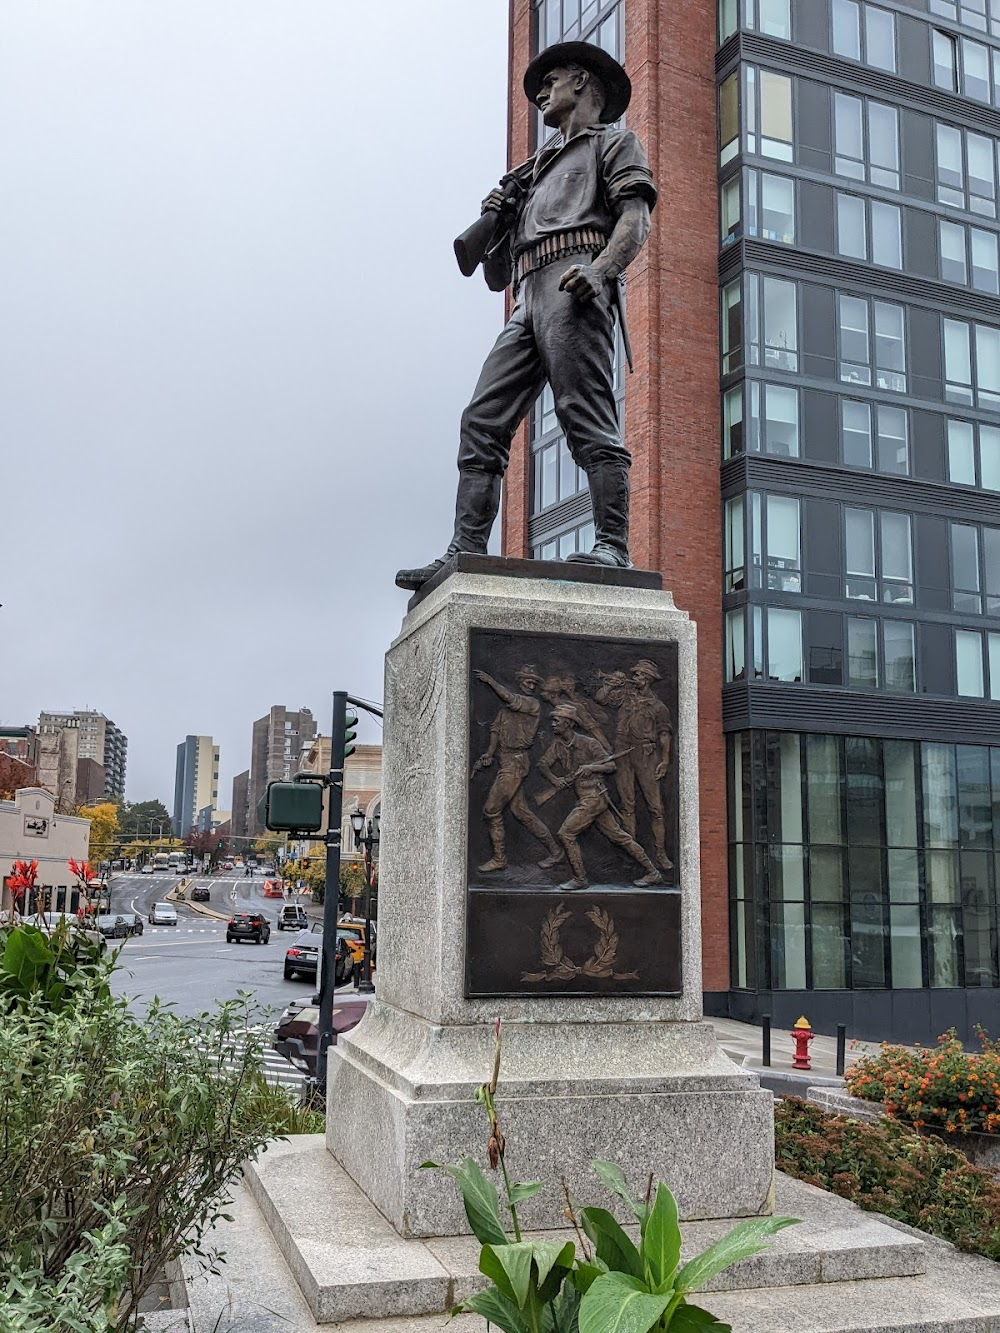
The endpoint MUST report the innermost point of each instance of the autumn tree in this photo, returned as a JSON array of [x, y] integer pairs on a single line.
[[104, 834]]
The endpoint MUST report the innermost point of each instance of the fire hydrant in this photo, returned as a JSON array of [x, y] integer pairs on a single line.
[[802, 1035]]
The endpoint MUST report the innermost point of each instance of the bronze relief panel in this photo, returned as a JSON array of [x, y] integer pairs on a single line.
[[572, 839]]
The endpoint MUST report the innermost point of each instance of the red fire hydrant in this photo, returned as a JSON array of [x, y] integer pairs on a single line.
[[802, 1035]]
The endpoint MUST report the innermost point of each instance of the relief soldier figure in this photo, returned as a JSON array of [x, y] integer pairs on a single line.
[[561, 689], [585, 763], [512, 734], [645, 735], [563, 228]]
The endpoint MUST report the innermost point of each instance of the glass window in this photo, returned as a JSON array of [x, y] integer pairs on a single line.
[[893, 446], [729, 119], [965, 569], [989, 458], [993, 652], [732, 422], [784, 644], [781, 423], [982, 175], [944, 59], [775, 18], [730, 204], [957, 362], [988, 366], [953, 267], [848, 136], [862, 653], [950, 168], [780, 325], [777, 210], [899, 655], [775, 116], [985, 275], [883, 145], [857, 433], [975, 70], [859, 553], [890, 348], [735, 545], [728, 19], [736, 644], [969, 663], [887, 235], [900, 761], [961, 453], [897, 567], [855, 362], [824, 777], [880, 38], [783, 561], [847, 29], [852, 228], [732, 328]]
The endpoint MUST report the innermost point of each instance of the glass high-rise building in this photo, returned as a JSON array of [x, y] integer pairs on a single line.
[[815, 425]]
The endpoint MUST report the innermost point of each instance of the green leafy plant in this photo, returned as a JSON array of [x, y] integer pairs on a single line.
[[887, 1168], [945, 1088], [54, 967], [545, 1286]]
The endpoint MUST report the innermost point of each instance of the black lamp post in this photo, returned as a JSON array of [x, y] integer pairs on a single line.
[[368, 840]]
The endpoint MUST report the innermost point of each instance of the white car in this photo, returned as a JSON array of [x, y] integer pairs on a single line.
[[163, 914], [147, 869]]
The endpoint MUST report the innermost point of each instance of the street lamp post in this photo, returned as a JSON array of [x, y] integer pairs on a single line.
[[368, 839]]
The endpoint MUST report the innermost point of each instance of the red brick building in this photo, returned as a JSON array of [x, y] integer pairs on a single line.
[[672, 400]]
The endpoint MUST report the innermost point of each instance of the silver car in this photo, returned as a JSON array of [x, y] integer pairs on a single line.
[[163, 914]]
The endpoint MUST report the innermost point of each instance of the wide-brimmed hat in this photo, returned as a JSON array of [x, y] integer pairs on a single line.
[[528, 672], [616, 81], [566, 713], [647, 668]]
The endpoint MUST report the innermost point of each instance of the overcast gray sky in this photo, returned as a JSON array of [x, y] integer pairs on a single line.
[[234, 347]]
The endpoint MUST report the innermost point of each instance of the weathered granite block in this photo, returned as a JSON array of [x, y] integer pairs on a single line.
[[635, 1078]]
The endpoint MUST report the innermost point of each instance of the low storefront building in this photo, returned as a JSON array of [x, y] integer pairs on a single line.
[[30, 830]]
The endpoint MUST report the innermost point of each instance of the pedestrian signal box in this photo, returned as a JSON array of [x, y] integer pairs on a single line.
[[292, 807]]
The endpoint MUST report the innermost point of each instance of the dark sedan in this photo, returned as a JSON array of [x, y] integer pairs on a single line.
[[248, 926], [112, 927], [302, 959], [200, 894]]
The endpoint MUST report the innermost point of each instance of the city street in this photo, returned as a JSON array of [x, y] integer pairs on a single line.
[[190, 964]]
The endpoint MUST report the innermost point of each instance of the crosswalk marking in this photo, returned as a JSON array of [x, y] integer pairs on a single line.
[[276, 1069]]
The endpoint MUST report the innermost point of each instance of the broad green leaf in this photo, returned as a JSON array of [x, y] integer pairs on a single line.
[[585, 1275], [509, 1266], [553, 1261], [562, 1314], [617, 1303], [693, 1319], [613, 1246], [746, 1239], [661, 1241], [482, 1207], [613, 1178], [527, 1190], [495, 1308]]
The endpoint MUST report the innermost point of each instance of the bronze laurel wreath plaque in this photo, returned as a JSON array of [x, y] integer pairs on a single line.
[[560, 967]]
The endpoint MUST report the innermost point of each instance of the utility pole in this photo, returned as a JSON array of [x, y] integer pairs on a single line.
[[331, 897]]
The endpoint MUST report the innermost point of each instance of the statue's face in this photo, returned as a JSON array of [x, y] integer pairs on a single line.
[[557, 95], [527, 684], [641, 678], [562, 727]]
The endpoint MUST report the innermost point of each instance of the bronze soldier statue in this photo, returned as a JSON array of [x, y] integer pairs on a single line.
[[513, 733], [644, 734], [569, 222], [561, 689], [585, 763]]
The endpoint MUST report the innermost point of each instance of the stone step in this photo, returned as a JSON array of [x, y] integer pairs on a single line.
[[350, 1263]]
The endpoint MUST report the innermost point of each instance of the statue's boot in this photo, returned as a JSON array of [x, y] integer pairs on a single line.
[[556, 854], [579, 880], [609, 492], [476, 508], [498, 861]]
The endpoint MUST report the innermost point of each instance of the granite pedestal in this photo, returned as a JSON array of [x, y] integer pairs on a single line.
[[637, 1078]]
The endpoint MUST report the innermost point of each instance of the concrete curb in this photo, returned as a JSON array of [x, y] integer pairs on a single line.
[[199, 908]]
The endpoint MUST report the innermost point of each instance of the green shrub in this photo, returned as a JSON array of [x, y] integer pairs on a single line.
[[946, 1088], [887, 1168], [118, 1138]]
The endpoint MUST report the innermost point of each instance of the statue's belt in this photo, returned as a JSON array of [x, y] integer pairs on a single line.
[[550, 248]]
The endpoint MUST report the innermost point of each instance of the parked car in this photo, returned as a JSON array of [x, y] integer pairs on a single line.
[[355, 928], [200, 894], [292, 917], [134, 922], [112, 927], [302, 958], [296, 1034], [248, 926], [147, 869], [163, 914]]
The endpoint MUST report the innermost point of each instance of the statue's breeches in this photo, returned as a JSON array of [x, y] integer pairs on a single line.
[[549, 336]]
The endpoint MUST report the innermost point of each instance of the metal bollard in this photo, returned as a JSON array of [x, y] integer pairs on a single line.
[[841, 1048], [765, 1040]]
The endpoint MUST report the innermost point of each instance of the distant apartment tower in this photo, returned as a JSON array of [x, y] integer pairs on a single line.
[[196, 781], [239, 822], [279, 740], [97, 739]]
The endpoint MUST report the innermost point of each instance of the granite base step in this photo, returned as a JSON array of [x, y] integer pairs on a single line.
[[350, 1263]]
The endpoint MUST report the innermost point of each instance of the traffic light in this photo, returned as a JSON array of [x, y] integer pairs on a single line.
[[350, 732]]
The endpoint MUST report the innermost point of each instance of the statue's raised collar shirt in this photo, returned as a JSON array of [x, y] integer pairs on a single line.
[[583, 183]]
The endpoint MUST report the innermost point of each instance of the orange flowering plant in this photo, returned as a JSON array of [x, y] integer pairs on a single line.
[[946, 1088]]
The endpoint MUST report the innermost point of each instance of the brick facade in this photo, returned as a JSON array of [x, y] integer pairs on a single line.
[[672, 401]]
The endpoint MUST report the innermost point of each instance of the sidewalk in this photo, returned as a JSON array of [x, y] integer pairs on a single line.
[[742, 1042]]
